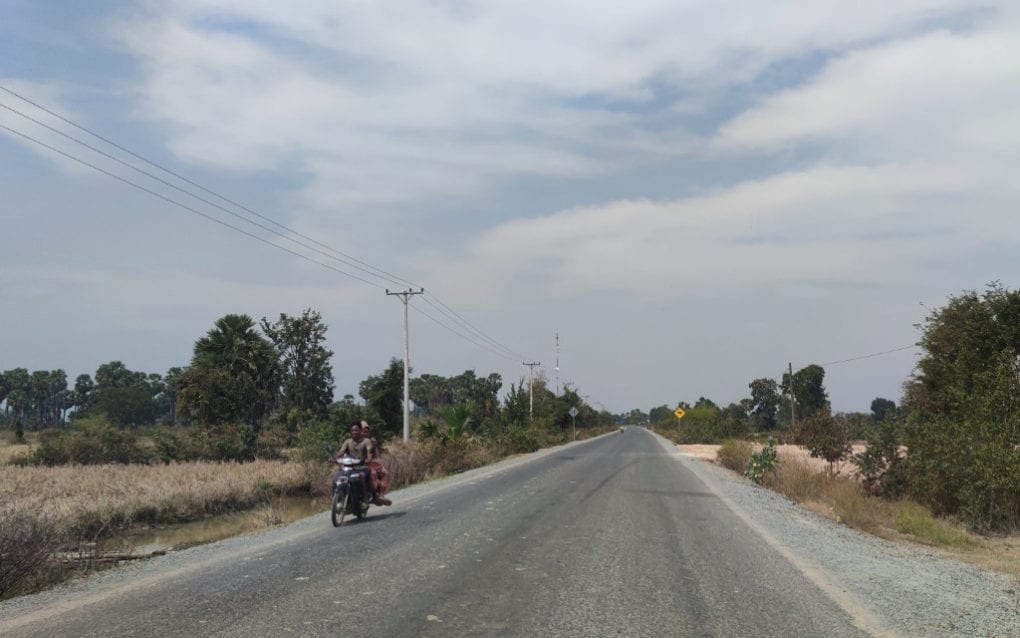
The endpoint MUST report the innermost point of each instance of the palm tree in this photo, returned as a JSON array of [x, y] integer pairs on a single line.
[[234, 347]]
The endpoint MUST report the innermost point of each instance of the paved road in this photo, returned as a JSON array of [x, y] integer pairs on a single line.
[[608, 537]]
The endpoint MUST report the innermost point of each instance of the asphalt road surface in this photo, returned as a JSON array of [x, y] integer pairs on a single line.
[[607, 537]]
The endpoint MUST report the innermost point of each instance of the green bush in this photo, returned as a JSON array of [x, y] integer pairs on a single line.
[[518, 439], [315, 438], [762, 463], [917, 521], [88, 442], [969, 469], [881, 463], [825, 437]]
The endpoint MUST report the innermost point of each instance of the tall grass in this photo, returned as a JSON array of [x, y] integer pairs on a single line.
[[85, 500], [734, 454], [50, 510], [848, 502]]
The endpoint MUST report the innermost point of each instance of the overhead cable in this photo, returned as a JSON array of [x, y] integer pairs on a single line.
[[190, 209], [387, 276], [869, 356], [339, 256]]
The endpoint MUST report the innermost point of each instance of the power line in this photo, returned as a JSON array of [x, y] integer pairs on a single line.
[[338, 255], [190, 209], [467, 325], [389, 276], [195, 211], [462, 335], [103, 153], [869, 356]]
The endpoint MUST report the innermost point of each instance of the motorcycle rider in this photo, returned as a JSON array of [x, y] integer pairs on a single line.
[[360, 448]]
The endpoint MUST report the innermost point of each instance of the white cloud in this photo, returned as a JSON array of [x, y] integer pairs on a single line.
[[910, 98], [413, 100], [828, 224]]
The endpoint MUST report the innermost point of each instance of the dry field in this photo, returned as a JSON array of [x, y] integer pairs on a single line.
[[10, 447], [86, 500], [786, 453]]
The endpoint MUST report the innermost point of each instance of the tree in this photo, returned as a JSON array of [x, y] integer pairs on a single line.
[[482, 392], [765, 402], [125, 396], [384, 397], [516, 405], [306, 373], [972, 342], [126, 406], [963, 425], [660, 413], [18, 395], [172, 387], [635, 417], [234, 375], [83, 389], [5, 387], [430, 392], [808, 390], [882, 408], [825, 437]]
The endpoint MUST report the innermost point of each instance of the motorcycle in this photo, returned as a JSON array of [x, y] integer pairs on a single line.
[[351, 494]]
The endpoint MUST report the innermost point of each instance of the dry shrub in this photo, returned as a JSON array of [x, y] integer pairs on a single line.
[[407, 463], [28, 545], [734, 454], [854, 507], [797, 480], [417, 461]]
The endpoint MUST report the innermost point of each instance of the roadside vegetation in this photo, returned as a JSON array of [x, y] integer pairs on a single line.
[[250, 419], [941, 468]]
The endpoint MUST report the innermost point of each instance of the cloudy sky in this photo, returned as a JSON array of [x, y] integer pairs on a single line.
[[691, 193]]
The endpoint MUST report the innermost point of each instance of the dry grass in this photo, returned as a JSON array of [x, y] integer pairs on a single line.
[[89, 499], [49, 511], [10, 447], [734, 454], [845, 501]]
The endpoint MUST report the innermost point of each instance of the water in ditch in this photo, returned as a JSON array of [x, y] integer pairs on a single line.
[[280, 511]]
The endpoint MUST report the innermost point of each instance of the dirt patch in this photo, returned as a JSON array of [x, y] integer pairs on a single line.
[[703, 452], [707, 452]]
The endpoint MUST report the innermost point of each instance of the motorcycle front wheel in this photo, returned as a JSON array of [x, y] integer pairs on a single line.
[[339, 507]]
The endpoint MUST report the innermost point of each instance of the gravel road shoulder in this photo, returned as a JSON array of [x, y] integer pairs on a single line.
[[907, 590]]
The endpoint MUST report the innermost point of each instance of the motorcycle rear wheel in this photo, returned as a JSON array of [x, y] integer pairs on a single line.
[[339, 507]]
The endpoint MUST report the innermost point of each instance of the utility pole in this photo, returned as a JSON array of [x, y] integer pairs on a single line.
[[557, 362], [793, 413], [405, 296], [531, 377]]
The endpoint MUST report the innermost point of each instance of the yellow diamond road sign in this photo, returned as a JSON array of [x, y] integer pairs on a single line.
[[679, 412]]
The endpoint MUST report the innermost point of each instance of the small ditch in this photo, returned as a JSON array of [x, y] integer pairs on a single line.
[[280, 511]]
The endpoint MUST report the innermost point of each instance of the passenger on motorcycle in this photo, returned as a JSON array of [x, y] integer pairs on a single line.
[[379, 474]]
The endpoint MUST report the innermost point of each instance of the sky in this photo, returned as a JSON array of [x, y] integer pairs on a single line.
[[692, 194]]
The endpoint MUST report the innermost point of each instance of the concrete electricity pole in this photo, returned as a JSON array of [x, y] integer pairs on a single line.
[[793, 412], [405, 296], [531, 377]]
